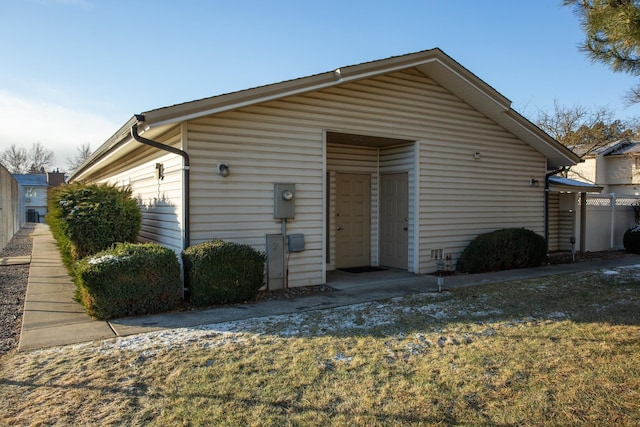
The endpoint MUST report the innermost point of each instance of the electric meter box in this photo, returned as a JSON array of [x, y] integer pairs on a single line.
[[295, 242], [284, 195]]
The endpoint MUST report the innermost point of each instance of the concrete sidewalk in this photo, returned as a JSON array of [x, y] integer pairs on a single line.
[[51, 315], [53, 318]]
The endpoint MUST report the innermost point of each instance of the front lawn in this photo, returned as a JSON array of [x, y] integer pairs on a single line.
[[563, 350]]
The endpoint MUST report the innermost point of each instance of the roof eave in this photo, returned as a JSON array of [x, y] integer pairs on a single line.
[[573, 186], [109, 145], [576, 189]]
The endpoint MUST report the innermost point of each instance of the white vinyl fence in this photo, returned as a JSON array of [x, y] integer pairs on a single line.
[[608, 217]]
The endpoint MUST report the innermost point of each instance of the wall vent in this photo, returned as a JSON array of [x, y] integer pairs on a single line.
[[437, 253]]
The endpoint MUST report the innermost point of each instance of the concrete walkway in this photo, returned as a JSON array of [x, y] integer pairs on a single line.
[[51, 315], [53, 318]]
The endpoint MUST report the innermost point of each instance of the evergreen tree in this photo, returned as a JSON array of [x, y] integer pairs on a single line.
[[612, 29]]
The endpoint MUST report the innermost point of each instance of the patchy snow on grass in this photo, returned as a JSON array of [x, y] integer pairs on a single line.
[[629, 267], [366, 317], [610, 272]]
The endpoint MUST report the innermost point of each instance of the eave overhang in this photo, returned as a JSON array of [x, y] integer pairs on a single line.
[[568, 185]]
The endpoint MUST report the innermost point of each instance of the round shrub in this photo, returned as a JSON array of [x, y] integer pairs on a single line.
[[129, 279], [631, 240], [503, 249], [93, 217], [220, 272]]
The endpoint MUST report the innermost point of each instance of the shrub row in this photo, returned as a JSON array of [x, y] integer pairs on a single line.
[[95, 226]]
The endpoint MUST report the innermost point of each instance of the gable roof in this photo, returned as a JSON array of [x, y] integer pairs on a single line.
[[434, 63]]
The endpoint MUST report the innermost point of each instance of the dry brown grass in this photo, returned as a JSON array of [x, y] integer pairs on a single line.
[[556, 351]]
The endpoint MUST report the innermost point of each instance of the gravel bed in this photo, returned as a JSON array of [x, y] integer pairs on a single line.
[[13, 288]]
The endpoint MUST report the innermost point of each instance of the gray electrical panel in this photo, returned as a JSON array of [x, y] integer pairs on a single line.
[[275, 261], [284, 195], [295, 242]]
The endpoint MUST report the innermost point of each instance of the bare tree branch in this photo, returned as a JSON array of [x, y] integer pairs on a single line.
[[82, 153], [40, 158], [14, 159]]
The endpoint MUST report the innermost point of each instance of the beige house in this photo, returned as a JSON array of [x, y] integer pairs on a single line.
[[615, 167], [394, 163]]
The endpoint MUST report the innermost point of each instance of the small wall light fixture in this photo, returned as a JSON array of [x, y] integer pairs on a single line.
[[159, 171], [534, 182], [223, 170], [476, 155]]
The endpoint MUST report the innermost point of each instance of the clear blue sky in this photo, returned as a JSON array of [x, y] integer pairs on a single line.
[[73, 71]]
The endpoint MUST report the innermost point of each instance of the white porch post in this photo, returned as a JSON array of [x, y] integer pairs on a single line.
[[583, 222], [612, 197]]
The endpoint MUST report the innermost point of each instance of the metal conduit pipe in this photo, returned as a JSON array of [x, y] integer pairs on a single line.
[[185, 172]]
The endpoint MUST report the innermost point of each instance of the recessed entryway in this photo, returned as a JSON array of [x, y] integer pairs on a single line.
[[368, 201]]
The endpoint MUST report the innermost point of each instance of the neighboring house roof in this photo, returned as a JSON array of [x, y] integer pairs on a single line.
[[31, 180], [614, 148], [559, 183], [434, 63], [631, 147]]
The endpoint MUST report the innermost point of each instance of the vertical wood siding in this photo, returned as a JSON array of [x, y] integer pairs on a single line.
[[282, 141]]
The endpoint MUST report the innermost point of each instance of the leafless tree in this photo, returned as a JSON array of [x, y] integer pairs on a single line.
[[82, 153], [36, 160], [40, 158], [14, 159], [582, 127]]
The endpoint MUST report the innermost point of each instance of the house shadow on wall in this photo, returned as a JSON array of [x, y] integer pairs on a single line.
[[160, 222]]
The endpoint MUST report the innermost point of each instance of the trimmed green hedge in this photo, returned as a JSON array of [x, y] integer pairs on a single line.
[[129, 279], [631, 240], [90, 218], [56, 224], [504, 249], [220, 272]]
